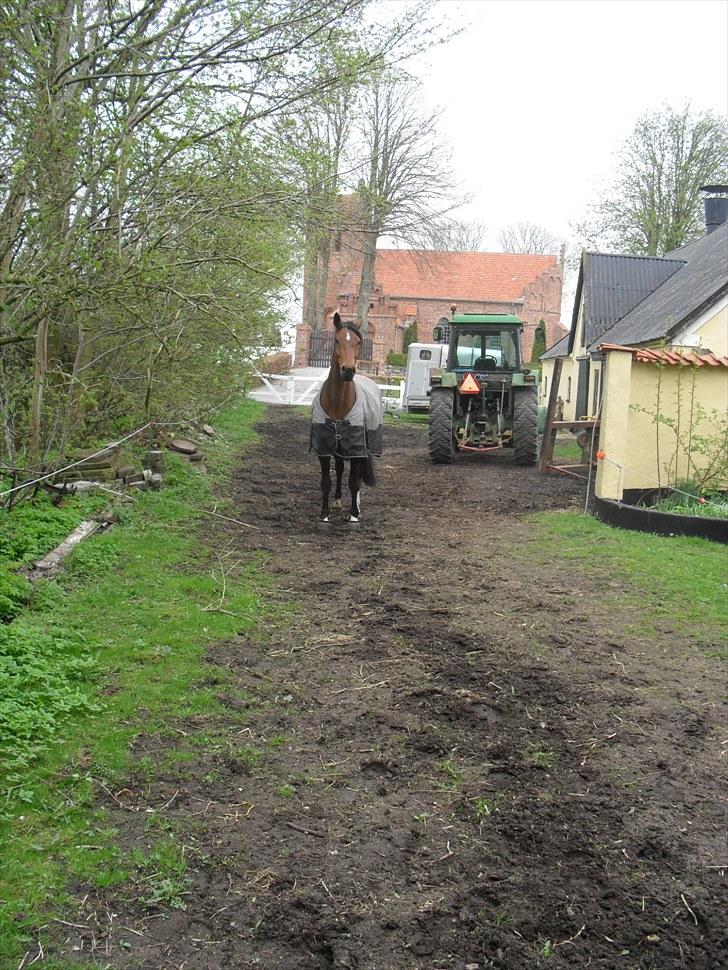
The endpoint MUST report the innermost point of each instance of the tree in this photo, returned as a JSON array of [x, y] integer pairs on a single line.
[[146, 234], [527, 237], [653, 204], [405, 181], [456, 236]]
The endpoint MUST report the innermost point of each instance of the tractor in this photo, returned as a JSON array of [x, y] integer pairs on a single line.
[[484, 398]]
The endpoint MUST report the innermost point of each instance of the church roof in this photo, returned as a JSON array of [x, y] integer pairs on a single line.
[[494, 277]]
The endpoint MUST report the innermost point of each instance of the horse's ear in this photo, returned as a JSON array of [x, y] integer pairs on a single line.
[[337, 321]]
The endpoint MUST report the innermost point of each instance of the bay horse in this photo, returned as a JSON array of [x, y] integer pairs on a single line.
[[346, 422]]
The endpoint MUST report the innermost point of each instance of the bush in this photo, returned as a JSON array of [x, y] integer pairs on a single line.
[[396, 360]]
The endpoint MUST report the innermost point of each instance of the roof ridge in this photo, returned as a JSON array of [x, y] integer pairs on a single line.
[[662, 259]]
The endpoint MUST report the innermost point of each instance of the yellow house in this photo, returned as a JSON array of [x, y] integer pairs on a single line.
[[647, 356], [608, 288]]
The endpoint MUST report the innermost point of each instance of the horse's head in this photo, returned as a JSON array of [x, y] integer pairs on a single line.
[[347, 344]]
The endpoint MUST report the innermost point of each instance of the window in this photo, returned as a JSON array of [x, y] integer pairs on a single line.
[[425, 355], [545, 386], [486, 350], [568, 390], [595, 401]]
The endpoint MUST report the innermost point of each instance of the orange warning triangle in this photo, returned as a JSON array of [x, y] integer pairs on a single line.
[[469, 385]]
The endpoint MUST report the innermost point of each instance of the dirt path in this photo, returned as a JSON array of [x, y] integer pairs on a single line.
[[452, 753]]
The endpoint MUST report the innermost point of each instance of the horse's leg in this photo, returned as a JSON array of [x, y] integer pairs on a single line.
[[339, 466], [355, 476], [325, 487]]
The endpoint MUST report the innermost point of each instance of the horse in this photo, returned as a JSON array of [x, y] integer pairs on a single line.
[[346, 422]]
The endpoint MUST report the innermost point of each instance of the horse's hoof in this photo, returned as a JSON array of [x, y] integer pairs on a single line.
[[324, 523], [354, 523]]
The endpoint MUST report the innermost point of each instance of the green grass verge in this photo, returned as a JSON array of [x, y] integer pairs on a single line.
[[680, 578], [29, 531], [111, 649]]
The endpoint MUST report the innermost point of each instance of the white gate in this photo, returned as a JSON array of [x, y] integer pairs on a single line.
[[297, 389]]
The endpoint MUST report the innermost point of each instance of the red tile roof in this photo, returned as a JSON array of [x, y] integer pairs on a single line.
[[501, 277], [673, 357]]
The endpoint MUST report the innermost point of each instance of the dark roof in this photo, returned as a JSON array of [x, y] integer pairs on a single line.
[[610, 286], [682, 297], [559, 349]]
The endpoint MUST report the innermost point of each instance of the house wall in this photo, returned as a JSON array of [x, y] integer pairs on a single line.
[[642, 452], [567, 392], [714, 333], [709, 332]]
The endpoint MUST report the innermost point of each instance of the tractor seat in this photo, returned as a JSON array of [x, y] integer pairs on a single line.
[[485, 363]]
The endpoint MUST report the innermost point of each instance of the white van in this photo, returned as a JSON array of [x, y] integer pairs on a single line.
[[421, 358]]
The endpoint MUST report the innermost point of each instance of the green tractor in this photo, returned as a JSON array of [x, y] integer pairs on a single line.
[[484, 399]]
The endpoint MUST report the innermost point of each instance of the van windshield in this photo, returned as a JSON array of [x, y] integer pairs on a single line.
[[480, 350]]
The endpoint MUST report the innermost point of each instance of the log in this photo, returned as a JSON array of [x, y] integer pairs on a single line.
[[52, 561]]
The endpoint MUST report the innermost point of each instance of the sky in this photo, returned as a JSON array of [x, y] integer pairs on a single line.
[[538, 95]]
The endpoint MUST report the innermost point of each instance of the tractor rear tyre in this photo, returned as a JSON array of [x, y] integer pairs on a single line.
[[525, 425], [440, 436]]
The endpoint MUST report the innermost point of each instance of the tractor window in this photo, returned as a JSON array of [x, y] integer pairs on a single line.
[[479, 350]]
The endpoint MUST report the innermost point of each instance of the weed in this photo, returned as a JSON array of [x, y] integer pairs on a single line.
[[547, 949], [448, 769], [286, 791], [484, 807], [277, 740], [540, 758]]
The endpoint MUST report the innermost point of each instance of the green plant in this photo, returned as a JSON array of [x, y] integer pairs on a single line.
[[540, 757], [396, 360], [686, 498], [448, 769], [484, 807]]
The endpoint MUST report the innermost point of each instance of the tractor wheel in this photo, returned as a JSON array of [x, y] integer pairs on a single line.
[[525, 426], [440, 436]]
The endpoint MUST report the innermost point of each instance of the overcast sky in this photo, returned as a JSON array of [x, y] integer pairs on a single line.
[[538, 95]]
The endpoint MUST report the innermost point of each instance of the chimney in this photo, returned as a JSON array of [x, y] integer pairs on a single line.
[[716, 206]]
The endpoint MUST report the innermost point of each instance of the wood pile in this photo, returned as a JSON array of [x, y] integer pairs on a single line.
[[110, 466]]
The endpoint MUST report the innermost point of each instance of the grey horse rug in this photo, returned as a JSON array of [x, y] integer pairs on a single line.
[[359, 434]]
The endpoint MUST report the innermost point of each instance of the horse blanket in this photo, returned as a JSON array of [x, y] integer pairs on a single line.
[[359, 434]]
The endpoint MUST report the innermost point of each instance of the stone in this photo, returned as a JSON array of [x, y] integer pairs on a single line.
[[182, 446]]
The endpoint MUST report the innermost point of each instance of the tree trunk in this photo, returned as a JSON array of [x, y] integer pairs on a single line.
[[39, 382], [369, 247]]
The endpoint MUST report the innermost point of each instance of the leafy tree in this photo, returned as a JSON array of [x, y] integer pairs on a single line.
[[653, 204], [146, 228]]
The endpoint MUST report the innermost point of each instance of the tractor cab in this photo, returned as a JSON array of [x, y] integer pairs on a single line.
[[485, 343]]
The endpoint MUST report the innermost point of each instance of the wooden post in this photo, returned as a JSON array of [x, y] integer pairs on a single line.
[[549, 432]]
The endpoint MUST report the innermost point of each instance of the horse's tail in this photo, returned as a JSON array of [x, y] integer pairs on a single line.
[[369, 478]]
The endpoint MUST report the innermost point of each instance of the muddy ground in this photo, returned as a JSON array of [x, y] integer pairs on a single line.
[[444, 749]]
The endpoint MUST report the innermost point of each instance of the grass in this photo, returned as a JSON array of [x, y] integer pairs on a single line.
[[680, 577], [29, 531], [111, 649], [567, 449]]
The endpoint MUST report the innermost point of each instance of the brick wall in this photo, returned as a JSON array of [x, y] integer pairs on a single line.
[[389, 317]]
